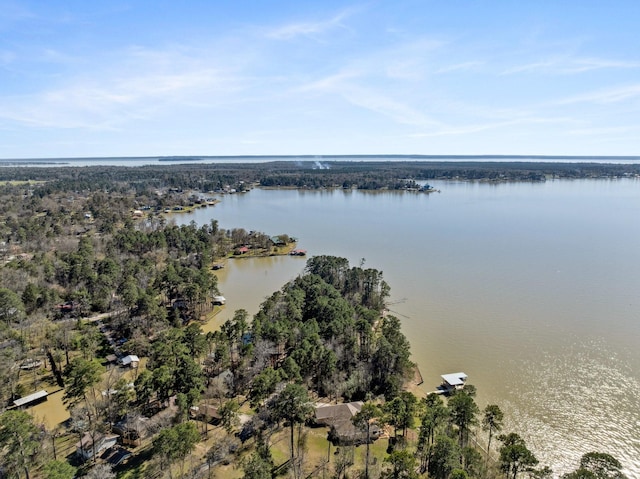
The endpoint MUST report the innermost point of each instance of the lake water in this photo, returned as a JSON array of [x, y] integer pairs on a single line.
[[531, 289]]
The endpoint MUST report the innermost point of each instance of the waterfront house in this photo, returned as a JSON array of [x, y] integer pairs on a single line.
[[339, 419], [278, 241]]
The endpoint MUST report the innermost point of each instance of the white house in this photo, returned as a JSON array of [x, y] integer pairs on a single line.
[[131, 360]]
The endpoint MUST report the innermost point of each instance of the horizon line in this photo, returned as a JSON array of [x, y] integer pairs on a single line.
[[333, 156]]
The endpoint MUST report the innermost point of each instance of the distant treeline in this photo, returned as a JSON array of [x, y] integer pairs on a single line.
[[370, 175]]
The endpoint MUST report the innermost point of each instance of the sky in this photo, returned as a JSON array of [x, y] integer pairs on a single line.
[[234, 77]]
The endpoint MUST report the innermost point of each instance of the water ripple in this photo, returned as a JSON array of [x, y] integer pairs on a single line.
[[583, 399]]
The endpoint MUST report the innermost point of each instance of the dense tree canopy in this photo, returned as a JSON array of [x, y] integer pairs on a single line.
[[19, 442]]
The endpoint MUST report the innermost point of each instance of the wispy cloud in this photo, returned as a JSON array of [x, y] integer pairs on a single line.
[[586, 64], [293, 30], [396, 110], [354, 86], [605, 96], [604, 131], [478, 127], [565, 65], [460, 67], [14, 12], [140, 86]]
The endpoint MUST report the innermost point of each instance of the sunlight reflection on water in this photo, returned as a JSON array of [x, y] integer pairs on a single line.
[[574, 402]]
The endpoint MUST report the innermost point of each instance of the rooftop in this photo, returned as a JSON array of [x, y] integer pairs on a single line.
[[454, 379], [30, 398]]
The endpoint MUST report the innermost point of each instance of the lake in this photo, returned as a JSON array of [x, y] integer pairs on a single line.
[[529, 288]]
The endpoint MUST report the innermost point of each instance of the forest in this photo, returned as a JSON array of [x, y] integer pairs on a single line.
[[102, 303], [361, 173]]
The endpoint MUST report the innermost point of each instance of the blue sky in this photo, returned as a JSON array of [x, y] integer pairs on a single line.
[[144, 78]]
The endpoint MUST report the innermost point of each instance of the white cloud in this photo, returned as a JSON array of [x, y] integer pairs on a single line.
[[293, 30], [349, 85], [380, 103], [604, 131], [543, 65], [565, 65], [605, 96], [141, 85], [460, 67], [586, 64], [478, 127]]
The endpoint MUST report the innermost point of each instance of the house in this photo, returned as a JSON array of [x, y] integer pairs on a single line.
[[339, 419], [131, 360], [452, 382], [205, 412], [277, 241], [132, 429], [88, 445], [276, 354], [242, 250]]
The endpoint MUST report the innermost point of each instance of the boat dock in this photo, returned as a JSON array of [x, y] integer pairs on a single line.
[[450, 383]]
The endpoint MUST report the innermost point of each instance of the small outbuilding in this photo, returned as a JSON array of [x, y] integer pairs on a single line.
[[131, 360], [31, 399]]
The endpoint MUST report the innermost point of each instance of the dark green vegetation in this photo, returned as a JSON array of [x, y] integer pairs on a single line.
[[82, 277], [370, 175]]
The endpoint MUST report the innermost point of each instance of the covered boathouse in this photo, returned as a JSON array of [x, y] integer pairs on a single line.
[[452, 382]]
